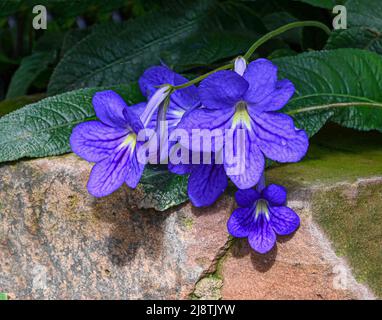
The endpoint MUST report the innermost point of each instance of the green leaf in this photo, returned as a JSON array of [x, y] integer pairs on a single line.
[[9, 105], [71, 38], [204, 50], [326, 4], [361, 13], [29, 70], [162, 189], [43, 128], [275, 20], [120, 53], [359, 37], [343, 86]]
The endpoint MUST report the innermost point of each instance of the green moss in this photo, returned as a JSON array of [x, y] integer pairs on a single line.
[[335, 155], [3, 296], [209, 287], [351, 216], [188, 223], [353, 221]]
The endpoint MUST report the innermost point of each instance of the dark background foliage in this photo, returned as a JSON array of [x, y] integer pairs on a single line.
[[222, 30]]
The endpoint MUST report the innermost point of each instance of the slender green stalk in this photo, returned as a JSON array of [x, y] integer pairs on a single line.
[[281, 30], [335, 105], [200, 78], [257, 44]]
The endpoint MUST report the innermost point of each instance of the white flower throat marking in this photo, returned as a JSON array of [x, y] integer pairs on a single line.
[[241, 116]]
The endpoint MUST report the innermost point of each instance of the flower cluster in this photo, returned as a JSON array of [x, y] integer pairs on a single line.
[[236, 109]]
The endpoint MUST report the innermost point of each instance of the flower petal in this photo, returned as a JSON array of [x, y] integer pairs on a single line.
[[109, 174], [132, 119], [156, 76], [278, 138], [240, 222], [214, 120], [243, 160], [206, 183], [277, 99], [180, 101], [134, 171], [109, 106], [94, 141], [275, 194], [284, 220], [247, 197], [262, 238], [222, 89], [261, 76], [180, 168]]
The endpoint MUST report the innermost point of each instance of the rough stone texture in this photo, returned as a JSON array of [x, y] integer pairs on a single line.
[[302, 266], [56, 241]]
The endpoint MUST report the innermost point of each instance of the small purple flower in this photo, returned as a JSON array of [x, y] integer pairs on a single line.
[[261, 215], [247, 99], [111, 143]]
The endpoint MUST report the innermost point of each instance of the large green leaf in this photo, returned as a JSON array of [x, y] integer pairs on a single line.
[[120, 53], [364, 13], [43, 129], [326, 4], [10, 105], [202, 51], [342, 85], [29, 70], [359, 37]]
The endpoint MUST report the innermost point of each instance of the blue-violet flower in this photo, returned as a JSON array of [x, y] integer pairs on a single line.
[[248, 102], [261, 215]]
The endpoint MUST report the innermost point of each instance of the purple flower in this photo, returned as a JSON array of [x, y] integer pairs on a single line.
[[206, 181], [262, 215], [111, 143], [180, 101], [249, 102]]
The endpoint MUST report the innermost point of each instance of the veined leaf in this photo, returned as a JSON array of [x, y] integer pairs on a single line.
[[162, 189], [120, 53], [361, 13], [202, 51], [43, 128], [359, 37], [30, 68], [326, 4], [342, 85], [9, 105]]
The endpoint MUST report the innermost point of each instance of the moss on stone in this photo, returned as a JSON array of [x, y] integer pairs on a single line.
[[208, 288], [335, 155], [349, 213], [188, 223], [353, 221]]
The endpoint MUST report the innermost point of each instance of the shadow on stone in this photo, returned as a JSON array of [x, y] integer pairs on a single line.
[[284, 239], [131, 231], [261, 262]]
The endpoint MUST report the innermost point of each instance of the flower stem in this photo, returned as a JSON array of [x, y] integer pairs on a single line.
[[257, 44], [200, 78], [281, 30]]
